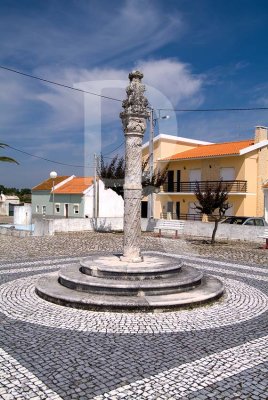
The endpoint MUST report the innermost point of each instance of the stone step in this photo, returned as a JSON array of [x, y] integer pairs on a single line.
[[49, 288], [111, 266], [186, 279]]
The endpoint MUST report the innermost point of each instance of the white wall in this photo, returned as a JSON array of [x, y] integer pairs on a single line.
[[110, 203], [45, 227], [88, 202], [23, 215]]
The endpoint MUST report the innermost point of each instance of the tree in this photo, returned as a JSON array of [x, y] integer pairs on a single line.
[[212, 201], [6, 159], [113, 175]]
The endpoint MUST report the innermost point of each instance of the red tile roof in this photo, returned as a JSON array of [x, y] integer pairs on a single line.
[[48, 184], [212, 150], [76, 185]]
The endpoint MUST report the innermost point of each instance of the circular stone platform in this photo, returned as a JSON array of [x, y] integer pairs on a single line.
[[159, 282]]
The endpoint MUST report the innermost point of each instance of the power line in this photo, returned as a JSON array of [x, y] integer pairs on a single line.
[[119, 100], [47, 159], [212, 109], [113, 150], [57, 83]]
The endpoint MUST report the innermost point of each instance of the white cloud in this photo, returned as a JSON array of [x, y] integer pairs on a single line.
[[174, 79]]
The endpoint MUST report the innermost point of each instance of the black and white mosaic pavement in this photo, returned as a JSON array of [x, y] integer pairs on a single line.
[[218, 351]]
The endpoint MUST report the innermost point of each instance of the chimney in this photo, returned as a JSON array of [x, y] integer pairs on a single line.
[[261, 133]]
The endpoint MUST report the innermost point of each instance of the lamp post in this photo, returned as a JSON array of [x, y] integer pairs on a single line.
[[151, 159], [53, 176]]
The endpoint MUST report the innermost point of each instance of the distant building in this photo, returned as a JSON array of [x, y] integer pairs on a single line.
[[73, 197], [7, 203], [241, 165]]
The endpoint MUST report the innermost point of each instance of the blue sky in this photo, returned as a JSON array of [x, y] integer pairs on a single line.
[[194, 54]]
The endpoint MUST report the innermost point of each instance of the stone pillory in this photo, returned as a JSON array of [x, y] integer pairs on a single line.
[[134, 118], [130, 282]]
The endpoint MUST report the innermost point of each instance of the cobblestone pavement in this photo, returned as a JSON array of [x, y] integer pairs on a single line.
[[79, 244], [218, 351]]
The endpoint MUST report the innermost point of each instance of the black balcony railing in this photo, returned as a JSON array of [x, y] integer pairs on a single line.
[[188, 217], [189, 187]]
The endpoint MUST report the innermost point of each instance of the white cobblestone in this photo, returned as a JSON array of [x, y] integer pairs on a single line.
[[213, 352]]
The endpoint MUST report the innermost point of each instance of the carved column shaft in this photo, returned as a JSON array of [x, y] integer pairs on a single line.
[[134, 122]]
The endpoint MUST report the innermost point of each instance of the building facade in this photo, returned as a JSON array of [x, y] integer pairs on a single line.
[[75, 197], [241, 165]]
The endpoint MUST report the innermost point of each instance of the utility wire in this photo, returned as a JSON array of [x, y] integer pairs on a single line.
[[212, 109], [106, 154], [114, 99], [47, 159], [57, 83]]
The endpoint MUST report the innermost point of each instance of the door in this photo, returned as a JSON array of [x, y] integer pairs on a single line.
[[194, 176], [66, 210], [178, 209], [178, 180], [144, 209], [11, 210], [169, 209], [170, 179]]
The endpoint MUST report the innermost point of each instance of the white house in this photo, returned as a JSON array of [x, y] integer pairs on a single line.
[[7, 203], [73, 197]]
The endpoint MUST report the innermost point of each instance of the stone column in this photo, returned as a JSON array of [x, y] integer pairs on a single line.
[[133, 118]]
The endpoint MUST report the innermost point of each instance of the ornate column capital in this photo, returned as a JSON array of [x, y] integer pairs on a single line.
[[135, 108]]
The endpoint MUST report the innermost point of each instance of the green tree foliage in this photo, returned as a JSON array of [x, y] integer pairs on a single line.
[[113, 174], [212, 201], [6, 159]]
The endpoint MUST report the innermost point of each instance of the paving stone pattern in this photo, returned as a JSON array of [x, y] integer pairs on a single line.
[[218, 351]]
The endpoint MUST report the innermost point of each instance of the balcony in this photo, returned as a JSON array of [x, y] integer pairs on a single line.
[[189, 187]]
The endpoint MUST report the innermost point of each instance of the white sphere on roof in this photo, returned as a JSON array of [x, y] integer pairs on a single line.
[[53, 174]]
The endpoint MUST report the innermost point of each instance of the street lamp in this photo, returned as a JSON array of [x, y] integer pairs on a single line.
[[53, 176], [151, 158]]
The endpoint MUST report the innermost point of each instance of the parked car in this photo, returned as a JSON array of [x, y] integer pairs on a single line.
[[255, 221]]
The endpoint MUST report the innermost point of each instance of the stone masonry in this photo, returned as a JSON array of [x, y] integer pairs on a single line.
[[133, 118]]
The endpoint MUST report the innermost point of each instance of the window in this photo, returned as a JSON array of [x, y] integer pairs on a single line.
[[76, 209], [259, 222], [249, 222], [44, 209], [227, 174], [37, 209], [57, 208], [194, 176]]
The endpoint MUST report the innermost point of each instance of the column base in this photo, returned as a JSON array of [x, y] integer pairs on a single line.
[[131, 259]]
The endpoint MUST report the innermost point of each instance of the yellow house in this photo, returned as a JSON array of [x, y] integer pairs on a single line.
[[242, 165]]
